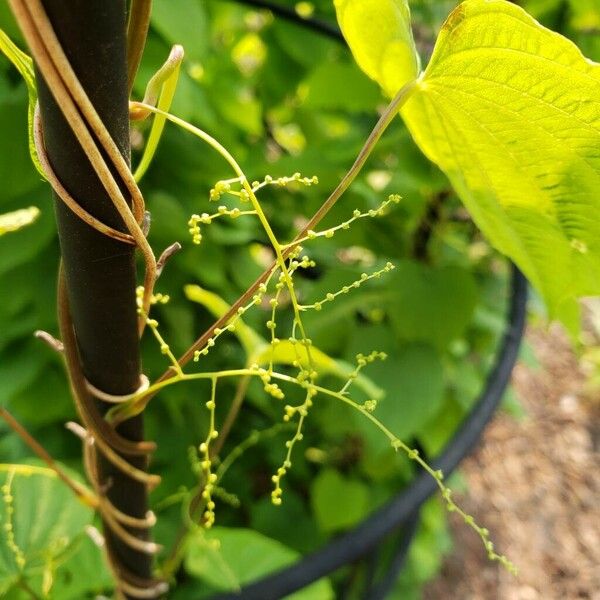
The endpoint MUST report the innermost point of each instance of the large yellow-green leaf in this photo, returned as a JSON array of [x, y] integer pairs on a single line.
[[381, 39], [511, 113]]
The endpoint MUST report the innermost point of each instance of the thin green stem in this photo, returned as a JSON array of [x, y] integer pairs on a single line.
[[124, 411], [238, 400]]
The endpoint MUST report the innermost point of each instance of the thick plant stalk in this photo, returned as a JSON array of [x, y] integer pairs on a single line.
[[100, 275]]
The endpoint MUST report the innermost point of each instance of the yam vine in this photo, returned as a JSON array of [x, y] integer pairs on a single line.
[[451, 109]]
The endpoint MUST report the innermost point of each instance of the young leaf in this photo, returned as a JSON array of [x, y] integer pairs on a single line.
[[509, 111], [381, 40], [161, 87]]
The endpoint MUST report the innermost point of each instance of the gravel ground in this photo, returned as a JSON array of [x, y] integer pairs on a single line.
[[535, 483]]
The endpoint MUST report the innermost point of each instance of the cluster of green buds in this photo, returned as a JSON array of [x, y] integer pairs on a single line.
[[331, 296], [221, 188], [156, 298], [305, 379], [219, 331], [370, 405], [11, 543], [302, 409], [361, 362], [210, 478], [284, 181], [276, 479], [206, 219], [224, 187], [304, 263], [194, 228], [207, 493], [356, 215], [270, 387]]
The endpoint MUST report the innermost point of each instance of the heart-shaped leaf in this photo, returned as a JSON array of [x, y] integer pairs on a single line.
[[509, 111]]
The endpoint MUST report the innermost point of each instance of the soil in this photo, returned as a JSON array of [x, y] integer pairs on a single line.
[[535, 484]]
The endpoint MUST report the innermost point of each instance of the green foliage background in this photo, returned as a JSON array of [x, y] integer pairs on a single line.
[[282, 99]]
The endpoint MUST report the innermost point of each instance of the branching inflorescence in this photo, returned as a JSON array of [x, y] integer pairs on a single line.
[[243, 201]]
